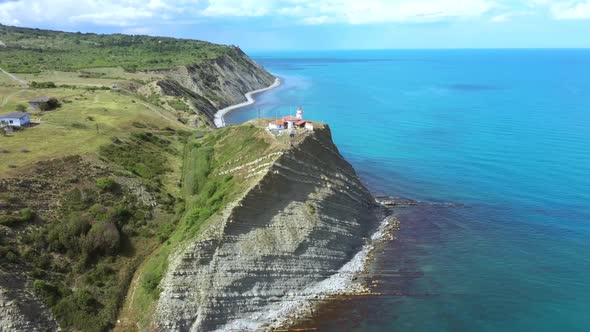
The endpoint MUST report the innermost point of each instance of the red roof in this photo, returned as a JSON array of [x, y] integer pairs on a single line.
[[290, 118], [300, 122]]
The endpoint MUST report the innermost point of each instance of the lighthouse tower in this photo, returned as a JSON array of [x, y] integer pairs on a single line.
[[299, 113]]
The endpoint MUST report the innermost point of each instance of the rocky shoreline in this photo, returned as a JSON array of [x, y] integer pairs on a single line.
[[345, 282]]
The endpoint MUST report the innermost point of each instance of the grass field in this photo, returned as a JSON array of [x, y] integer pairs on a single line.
[[85, 121], [90, 76]]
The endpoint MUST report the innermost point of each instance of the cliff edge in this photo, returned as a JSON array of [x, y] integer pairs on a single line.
[[302, 215], [205, 87]]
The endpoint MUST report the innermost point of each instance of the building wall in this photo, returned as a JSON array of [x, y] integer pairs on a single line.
[[16, 122]]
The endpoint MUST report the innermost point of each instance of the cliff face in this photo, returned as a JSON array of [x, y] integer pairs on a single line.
[[213, 84], [305, 215], [20, 310]]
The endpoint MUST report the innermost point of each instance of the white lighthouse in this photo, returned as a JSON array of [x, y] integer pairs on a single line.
[[299, 113]]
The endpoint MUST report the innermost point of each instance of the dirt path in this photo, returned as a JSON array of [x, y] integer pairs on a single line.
[[7, 98], [20, 81]]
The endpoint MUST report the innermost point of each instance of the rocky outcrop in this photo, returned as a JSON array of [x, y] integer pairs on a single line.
[[20, 310], [303, 218], [214, 84]]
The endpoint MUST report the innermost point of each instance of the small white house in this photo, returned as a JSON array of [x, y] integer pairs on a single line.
[[309, 126], [15, 119], [277, 125]]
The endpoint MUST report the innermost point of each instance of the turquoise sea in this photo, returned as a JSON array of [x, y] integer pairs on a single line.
[[503, 134]]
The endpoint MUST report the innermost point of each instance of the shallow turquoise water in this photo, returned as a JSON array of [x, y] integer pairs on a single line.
[[506, 133]]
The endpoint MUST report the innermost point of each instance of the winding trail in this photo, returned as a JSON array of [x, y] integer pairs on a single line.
[[220, 121], [19, 80]]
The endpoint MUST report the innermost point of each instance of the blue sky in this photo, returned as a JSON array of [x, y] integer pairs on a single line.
[[322, 24]]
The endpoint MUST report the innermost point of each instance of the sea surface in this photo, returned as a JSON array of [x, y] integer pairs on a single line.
[[504, 135]]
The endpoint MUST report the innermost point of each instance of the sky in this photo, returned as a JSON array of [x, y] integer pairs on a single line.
[[259, 25]]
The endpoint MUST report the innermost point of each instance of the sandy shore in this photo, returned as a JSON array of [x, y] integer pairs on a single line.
[[220, 122], [295, 306]]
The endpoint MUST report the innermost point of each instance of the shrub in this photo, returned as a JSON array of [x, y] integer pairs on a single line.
[[43, 85], [67, 235], [310, 208], [103, 238], [20, 108], [106, 184], [24, 215], [49, 292]]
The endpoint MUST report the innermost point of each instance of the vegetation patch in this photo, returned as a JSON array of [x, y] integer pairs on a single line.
[[23, 216], [205, 193], [34, 50], [43, 85], [178, 105], [142, 155], [81, 254]]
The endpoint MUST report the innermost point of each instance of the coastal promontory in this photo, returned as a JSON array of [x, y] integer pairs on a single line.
[[123, 208]]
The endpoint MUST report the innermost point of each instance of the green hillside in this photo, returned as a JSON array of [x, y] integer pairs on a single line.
[[113, 178], [33, 50]]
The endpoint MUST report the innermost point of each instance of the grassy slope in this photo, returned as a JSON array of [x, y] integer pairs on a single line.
[[63, 249], [131, 138], [33, 50], [205, 194], [72, 129]]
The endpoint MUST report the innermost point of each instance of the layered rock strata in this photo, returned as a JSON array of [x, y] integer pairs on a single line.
[[215, 84], [305, 216]]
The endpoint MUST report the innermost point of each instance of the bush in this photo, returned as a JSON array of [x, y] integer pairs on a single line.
[[49, 292], [43, 85], [25, 215], [310, 208], [103, 238], [20, 108], [106, 184]]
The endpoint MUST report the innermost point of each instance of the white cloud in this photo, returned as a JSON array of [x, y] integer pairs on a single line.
[[576, 10], [351, 11], [105, 12], [131, 13], [505, 17], [122, 17], [246, 8]]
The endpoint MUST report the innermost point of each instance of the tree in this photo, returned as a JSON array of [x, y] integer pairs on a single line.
[[103, 238]]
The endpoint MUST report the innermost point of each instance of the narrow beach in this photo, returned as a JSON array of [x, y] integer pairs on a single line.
[[219, 120]]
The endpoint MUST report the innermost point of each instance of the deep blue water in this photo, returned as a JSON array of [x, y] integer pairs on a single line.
[[506, 133]]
